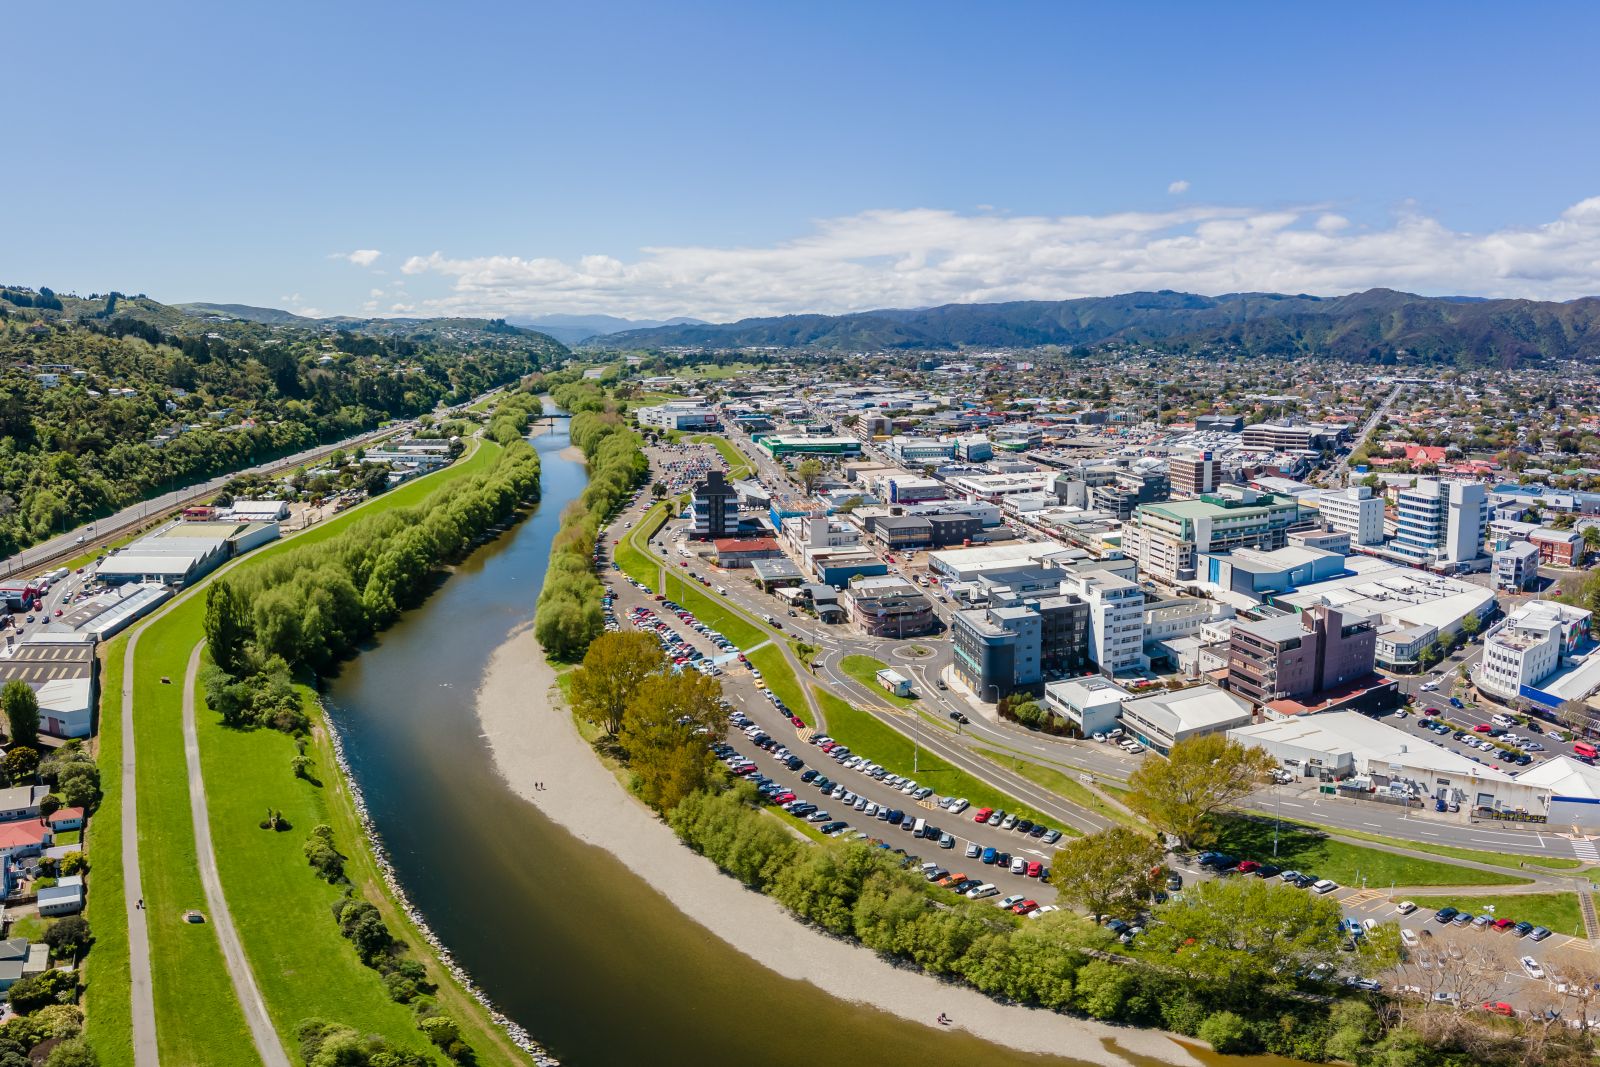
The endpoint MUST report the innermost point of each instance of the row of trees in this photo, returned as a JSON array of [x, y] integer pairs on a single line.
[[311, 605], [570, 615]]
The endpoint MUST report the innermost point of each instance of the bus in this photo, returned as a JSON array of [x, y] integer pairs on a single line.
[[1585, 751]]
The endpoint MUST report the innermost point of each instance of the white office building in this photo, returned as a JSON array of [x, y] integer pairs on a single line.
[[1116, 618], [678, 415], [1355, 511], [1529, 645], [1440, 522], [1091, 704]]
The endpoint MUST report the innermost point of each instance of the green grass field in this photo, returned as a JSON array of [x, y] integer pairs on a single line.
[[712, 610], [779, 677], [1555, 911], [864, 669], [866, 736], [633, 555], [1068, 787], [1499, 859], [1310, 851], [279, 905]]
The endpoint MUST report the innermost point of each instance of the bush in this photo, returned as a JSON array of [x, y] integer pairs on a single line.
[[1227, 1033], [41, 990], [323, 857]]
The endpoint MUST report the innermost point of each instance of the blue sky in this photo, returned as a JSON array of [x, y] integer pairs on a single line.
[[725, 159]]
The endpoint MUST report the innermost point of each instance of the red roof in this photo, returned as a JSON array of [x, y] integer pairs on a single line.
[[1331, 699], [20, 834], [67, 815], [753, 544]]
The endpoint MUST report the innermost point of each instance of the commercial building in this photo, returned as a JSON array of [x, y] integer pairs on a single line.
[[1397, 596], [1248, 576], [1115, 617], [999, 650], [1296, 656], [60, 669], [1525, 648], [1119, 495], [888, 606], [1558, 548], [181, 552], [714, 508], [1091, 704], [905, 489], [1516, 567], [1355, 511], [1162, 720], [780, 445], [1166, 539], [996, 487], [1278, 436], [1219, 423], [974, 448], [1440, 523], [678, 415], [916, 452], [1194, 473], [1347, 744], [734, 552]]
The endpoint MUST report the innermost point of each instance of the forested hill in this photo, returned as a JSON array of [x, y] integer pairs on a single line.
[[107, 400], [1379, 325]]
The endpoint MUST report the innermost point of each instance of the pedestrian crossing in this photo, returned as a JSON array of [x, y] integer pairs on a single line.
[[1585, 850]]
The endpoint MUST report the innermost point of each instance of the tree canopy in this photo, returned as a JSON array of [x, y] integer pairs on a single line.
[[1202, 776]]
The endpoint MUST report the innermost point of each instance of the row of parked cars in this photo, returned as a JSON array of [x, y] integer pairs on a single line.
[[1009, 821], [1223, 864], [1499, 924]]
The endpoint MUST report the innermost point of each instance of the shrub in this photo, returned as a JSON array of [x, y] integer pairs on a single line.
[[1226, 1032]]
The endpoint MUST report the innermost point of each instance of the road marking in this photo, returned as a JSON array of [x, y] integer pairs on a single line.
[[1584, 849], [1291, 804], [1374, 825]]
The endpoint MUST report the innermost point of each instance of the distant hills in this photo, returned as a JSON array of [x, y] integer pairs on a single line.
[[246, 313], [1379, 325], [571, 329]]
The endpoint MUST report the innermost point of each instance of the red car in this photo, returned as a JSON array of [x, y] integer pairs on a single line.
[[1481, 728], [1247, 866], [1499, 1007], [1503, 925], [1026, 906], [683, 563], [798, 721], [783, 798], [982, 814], [1034, 869]]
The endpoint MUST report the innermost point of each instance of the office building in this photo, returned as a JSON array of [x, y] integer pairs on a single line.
[[974, 448], [781, 445], [1162, 720], [1294, 656], [1355, 511], [1115, 617], [1525, 648], [1558, 548], [1126, 490], [714, 508], [1193, 473], [1219, 423], [1516, 567], [888, 606], [1091, 704], [1166, 539], [1440, 523], [1285, 436], [999, 650]]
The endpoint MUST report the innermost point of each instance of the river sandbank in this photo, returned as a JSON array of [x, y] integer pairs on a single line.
[[533, 739]]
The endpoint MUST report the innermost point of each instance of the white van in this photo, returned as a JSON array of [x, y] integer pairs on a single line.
[[722, 590], [919, 826]]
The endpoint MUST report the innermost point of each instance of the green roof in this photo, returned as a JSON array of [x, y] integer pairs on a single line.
[[1207, 507]]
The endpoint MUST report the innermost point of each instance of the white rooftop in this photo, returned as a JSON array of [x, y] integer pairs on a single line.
[[1375, 742], [1396, 594], [1565, 777], [1196, 708]]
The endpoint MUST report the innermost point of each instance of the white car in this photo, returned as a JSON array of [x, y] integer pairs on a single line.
[[1045, 910], [1011, 901], [1100, 736], [1409, 938], [1324, 886], [1019, 865], [1531, 968], [1405, 907], [959, 805], [987, 889]]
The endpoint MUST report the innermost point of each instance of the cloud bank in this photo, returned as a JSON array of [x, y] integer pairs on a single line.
[[916, 258], [361, 257]]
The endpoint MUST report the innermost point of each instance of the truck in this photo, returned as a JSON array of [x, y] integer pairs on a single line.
[[55, 576]]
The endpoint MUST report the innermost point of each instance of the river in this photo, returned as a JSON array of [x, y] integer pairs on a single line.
[[596, 964]]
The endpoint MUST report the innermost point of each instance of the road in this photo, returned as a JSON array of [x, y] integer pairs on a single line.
[[1336, 473], [262, 1033], [145, 1051]]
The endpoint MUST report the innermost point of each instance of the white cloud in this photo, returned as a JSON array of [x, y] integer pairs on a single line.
[[361, 257], [920, 257], [1178, 187]]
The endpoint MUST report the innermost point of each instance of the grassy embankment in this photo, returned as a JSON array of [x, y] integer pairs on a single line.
[[1065, 786], [864, 669], [738, 466], [1311, 851], [302, 965], [1555, 911], [1499, 859], [866, 736]]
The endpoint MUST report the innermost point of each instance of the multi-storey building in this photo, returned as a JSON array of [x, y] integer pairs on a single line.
[[679, 415], [1440, 522], [889, 606], [999, 650], [1116, 618], [1194, 473], [1278, 436], [1529, 645], [715, 508], [1127, 490], [1516, 567], [1355, 511], [1294, 656], [1166, 539], [1558, 548]]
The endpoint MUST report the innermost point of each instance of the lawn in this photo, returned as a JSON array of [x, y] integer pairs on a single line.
[[1555, 911], [1068, 787], [864, 669], [633, 555], [318, 976], [865, 735], [1309, 850], [68, 837], [779, 677], [714, 611], [1499, 859]]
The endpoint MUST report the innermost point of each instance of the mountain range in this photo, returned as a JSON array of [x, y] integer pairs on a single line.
[[571, 329], [1378, 325]]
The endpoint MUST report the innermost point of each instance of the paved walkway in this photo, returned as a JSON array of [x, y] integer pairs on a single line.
[[145, 1051], [244, 981]]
